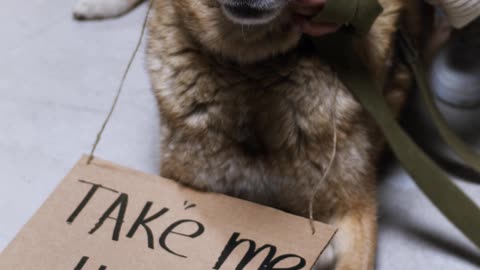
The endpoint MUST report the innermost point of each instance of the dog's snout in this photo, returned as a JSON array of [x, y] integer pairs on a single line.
[[254, 4], [246, 11], [252, 11]]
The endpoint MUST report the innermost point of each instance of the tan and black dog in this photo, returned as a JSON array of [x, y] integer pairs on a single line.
[[246, 110]]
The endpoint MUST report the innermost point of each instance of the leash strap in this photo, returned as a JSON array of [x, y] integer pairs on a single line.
[[351, 70], [434, 183], [359, 14], [463, 151]]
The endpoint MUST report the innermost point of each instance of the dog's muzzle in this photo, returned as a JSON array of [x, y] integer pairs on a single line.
[[252, 12]]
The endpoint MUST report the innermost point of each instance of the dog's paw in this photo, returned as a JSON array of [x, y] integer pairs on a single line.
[[326, 260], [101, 9]]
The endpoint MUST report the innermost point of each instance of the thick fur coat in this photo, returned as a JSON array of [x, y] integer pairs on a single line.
[[247, 111]]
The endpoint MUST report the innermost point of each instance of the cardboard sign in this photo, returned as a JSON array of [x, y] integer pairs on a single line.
[[106, 217]]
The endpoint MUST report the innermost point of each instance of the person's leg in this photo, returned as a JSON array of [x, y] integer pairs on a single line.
[[455, 74], [459, 12]]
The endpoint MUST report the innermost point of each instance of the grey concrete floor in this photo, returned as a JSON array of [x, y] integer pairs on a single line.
[[57, 79]]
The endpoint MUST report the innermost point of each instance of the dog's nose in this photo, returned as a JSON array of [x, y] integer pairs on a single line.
[[245, 11], [252, 11], [253, 4]]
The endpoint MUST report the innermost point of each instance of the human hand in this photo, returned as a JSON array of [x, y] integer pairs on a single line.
[[304, 10]]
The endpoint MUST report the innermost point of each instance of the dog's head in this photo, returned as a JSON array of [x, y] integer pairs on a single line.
[[243, 30]]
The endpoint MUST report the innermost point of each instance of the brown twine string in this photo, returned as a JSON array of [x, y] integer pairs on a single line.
[[120, 88], [333, 108]]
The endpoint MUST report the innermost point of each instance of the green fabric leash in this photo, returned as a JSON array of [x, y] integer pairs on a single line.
[[360, 14], [463, 151], [351, 70]]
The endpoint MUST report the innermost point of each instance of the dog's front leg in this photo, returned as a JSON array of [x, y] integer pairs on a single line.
[[355, 242]]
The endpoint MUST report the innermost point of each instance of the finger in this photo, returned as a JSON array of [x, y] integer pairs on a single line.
[[317, 29], [306, 11], [309, 3]]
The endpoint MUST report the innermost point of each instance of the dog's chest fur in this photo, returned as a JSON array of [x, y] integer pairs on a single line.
[[261, 132]]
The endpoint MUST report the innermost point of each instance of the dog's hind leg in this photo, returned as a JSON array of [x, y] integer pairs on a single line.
[[101, 9]]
